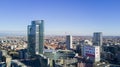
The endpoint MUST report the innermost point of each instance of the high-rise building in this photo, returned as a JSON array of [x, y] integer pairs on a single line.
[[97, 38], [69, 42], [36, 37]]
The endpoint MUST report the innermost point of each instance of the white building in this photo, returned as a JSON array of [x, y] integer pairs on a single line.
[[86, 42], [93, 52]]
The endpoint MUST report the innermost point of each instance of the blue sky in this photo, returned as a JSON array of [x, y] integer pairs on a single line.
[[75, 17]]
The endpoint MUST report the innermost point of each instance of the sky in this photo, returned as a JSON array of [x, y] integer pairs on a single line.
[[61, 17]]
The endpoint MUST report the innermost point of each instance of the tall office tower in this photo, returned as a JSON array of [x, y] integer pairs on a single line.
[[69, 42], [97, 38], [36, 37]]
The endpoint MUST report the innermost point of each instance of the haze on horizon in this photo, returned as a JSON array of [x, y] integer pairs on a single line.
[[75, 17]]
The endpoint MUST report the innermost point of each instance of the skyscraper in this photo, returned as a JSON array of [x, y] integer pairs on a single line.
[[36, 37], [69, 42], [97, 38]]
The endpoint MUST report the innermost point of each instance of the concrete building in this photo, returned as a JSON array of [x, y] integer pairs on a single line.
[[93, 52], [4, 52], [85, 42], [36, 37], [7, 60], [97, 38], [69, 42]]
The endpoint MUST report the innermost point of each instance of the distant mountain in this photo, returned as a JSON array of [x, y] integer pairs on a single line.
[[12, 34]]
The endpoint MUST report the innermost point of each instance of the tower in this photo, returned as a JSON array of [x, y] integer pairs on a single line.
[[69, 42], [36, 37], [97, 38]]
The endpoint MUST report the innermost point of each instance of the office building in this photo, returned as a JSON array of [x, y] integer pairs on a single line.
[[36, 37], [93, 52], [0, 56], [97, 38], [22, 54], [69, 42]]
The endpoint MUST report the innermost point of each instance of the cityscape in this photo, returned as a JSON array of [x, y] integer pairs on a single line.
[[38, 50], [59, 33]]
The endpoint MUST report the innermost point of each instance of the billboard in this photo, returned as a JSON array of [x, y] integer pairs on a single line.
[[89, 51]]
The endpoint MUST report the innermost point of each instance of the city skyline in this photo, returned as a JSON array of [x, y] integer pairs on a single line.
[[78, 17]]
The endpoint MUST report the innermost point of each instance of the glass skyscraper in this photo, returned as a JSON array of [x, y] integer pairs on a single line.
[[36, 37], [97, 38], [69, 42]]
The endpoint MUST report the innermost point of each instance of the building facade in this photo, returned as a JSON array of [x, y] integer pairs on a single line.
[[97, 38], [36, 37], [93, 52], [69, 42]]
